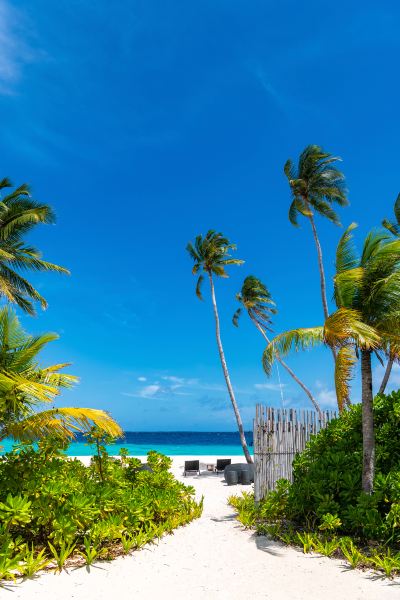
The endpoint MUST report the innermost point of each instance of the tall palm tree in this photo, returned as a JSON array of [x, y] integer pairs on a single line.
[[367, 320], [394, 228], [25, 385], [257, 301], [19, 214], [316, 183], [211, 256]]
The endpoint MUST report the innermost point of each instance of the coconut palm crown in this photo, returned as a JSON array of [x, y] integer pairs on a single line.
[[316, 183], [257, 300], [19, 214], [211, 254], [25, 385]]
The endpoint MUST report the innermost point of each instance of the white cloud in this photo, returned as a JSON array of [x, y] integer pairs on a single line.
[[148, 391], [141, 378], [174, 379], [273, 387], [15, 51], [394, 379], [180, 381], [327, 397]]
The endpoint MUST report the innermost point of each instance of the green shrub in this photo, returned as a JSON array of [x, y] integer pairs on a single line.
[[53, 507], [247, 510], [327, 475], [324, 510]]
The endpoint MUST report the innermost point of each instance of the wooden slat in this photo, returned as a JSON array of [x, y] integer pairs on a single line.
[[278, 435]]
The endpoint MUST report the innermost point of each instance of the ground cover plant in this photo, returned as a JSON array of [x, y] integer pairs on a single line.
[[54, 510], [324, 509]]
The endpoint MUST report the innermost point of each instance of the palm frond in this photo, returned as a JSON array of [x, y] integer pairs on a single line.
[[5, 183], [347, 287], [325, 210], [19, 213], [345, 361], [345, 326], [235, 318], [199, 286], [62, 422], [297, 339], [373, 244], [293, 214], [394, 228], [397, 209], [289, 170], [346, 256]]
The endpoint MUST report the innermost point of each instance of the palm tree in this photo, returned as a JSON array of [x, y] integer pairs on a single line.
[[211, 255], [257, 301], [394, 228], [315, 184], [367, 294], [19, 214], [24, 385]]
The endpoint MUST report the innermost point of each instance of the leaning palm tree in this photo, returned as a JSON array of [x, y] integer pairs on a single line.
[[19, 214], [367, 321], [257, 301], [394, 228], [211, 255], [315, 184], [25, 385]]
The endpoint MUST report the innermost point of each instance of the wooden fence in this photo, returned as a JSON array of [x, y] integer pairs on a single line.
[[279, 434]]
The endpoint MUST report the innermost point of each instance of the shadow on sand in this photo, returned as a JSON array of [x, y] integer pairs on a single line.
[[266, 544]]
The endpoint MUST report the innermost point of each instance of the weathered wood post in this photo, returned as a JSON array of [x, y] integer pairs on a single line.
[[278, 435]]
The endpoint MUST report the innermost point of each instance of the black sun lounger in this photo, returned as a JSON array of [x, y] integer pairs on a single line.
[[221, 464], [191, 466]]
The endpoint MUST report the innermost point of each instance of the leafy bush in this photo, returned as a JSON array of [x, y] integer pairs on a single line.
[[327, 475], [324, 509], [54, 508]]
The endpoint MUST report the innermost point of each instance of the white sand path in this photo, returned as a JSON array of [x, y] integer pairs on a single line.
[[211, 558]]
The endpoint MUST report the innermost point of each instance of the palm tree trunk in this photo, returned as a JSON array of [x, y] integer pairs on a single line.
[[386, 375], [321, 268], [367, 423], [289, 370], [321, 275], [226, 375]]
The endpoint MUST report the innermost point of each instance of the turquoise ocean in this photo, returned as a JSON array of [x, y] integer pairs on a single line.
[[179, 443]]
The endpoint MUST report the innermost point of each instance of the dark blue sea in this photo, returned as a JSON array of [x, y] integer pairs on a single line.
[[179, 443]]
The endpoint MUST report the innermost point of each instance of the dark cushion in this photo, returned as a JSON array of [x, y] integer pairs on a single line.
[[232, 477], [240, 468], [222, 463], [192, 465]]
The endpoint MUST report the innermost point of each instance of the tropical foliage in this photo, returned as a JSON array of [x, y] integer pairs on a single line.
[[53, 510], [394, 228], [19, 214], [25, 385], [367, 320], [211, 255], [324, 509]]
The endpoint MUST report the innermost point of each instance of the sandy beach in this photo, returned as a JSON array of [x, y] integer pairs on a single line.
[[213, 557]]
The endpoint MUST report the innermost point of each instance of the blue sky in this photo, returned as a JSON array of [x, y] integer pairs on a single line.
[[149, 122]]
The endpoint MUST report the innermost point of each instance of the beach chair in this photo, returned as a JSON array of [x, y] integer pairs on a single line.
[[221, 464], [191, 466]]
